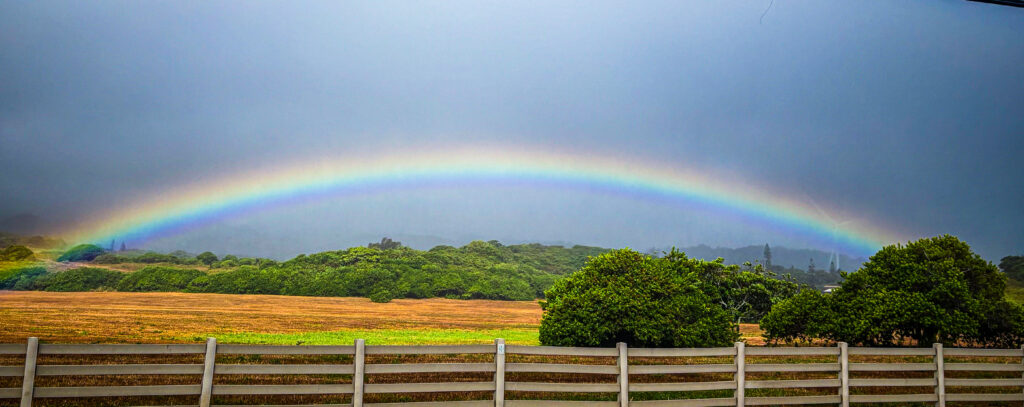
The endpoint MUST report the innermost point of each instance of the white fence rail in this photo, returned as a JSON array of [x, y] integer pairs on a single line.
[[737, 361]]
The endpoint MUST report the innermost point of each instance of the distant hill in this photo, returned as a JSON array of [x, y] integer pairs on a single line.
[[781, 256]]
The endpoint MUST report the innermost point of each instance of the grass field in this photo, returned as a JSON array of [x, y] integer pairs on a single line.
[[113, 317]]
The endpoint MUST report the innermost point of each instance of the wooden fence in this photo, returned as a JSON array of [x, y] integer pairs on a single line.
[[738, 362]]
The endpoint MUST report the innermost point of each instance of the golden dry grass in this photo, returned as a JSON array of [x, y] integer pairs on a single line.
[[114, 317]]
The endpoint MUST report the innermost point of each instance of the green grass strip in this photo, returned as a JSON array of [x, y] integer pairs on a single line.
[[381, 337]]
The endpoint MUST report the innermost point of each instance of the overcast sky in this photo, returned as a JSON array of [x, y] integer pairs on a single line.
[[903, 113]]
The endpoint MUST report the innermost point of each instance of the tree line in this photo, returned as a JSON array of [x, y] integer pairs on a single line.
[[478, 270]]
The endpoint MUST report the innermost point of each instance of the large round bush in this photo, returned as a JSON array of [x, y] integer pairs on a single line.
[[931, 290], [82, 252], [625, 296]]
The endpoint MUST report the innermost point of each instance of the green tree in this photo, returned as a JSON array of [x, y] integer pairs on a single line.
[[1013, 266], [207, 258], [157, 278], [625, 296], [16, 253], [931, 290], [82, 252], [81, 279]]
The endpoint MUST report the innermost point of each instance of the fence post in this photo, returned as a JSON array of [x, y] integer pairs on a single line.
[[499, 372], [209, 363], [741, 375], [940, 376], [359, 363], [28, 381], [623, 364], [844, 374]]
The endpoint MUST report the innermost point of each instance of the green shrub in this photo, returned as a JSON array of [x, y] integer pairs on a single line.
[[625, 296], [207, 258], [82, 252], [244, 280], [931, 290], [81, 279], [110, 258], [156, 278], [16, 253], [797, 318], [20, 278], [381, 295]]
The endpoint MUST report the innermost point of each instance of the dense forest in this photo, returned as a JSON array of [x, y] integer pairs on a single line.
[[382, 271]]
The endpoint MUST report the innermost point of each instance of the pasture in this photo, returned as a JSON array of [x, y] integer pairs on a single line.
[[115, 317]]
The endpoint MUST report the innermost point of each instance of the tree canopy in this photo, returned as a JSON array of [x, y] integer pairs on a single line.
[[16, 253], [672, 301], [931, 290], [82, 252]]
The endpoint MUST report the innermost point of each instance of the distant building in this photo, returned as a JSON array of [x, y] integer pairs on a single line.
[[828, 288]]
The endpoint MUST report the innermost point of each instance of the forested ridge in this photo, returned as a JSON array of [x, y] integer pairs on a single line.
[[382, 271]]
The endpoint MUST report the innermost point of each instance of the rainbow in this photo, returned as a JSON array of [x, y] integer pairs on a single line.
[[209, 200]]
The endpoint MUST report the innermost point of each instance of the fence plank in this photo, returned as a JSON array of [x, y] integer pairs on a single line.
[[10, 392], [928, 382], [209, 362], [499, 372], [275, 405], [564, 387], [13, 371], [791, 384], [791, 367], [449, 387], [793, 351], [136, 349], [387, 368], [985, 367], [682, 386], [984, 397], [771, 401], [672, 369], [892, 367], [560, 403], [96, 370], [358, 377], [226, 349], [467, 403], [28, 378], [560, 351], [893, 398], [280, 389], [120, 391], [984, 352], [715, 402], [428, 349], [985, 382], [12, 349], [285, 369], [891, 351], [562, 368], [681, 352]]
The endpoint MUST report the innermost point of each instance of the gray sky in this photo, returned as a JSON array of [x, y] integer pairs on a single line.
[[905, 113]]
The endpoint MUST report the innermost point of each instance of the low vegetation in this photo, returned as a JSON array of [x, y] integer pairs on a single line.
[[671, 301], [931, 290], [385, 271]]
